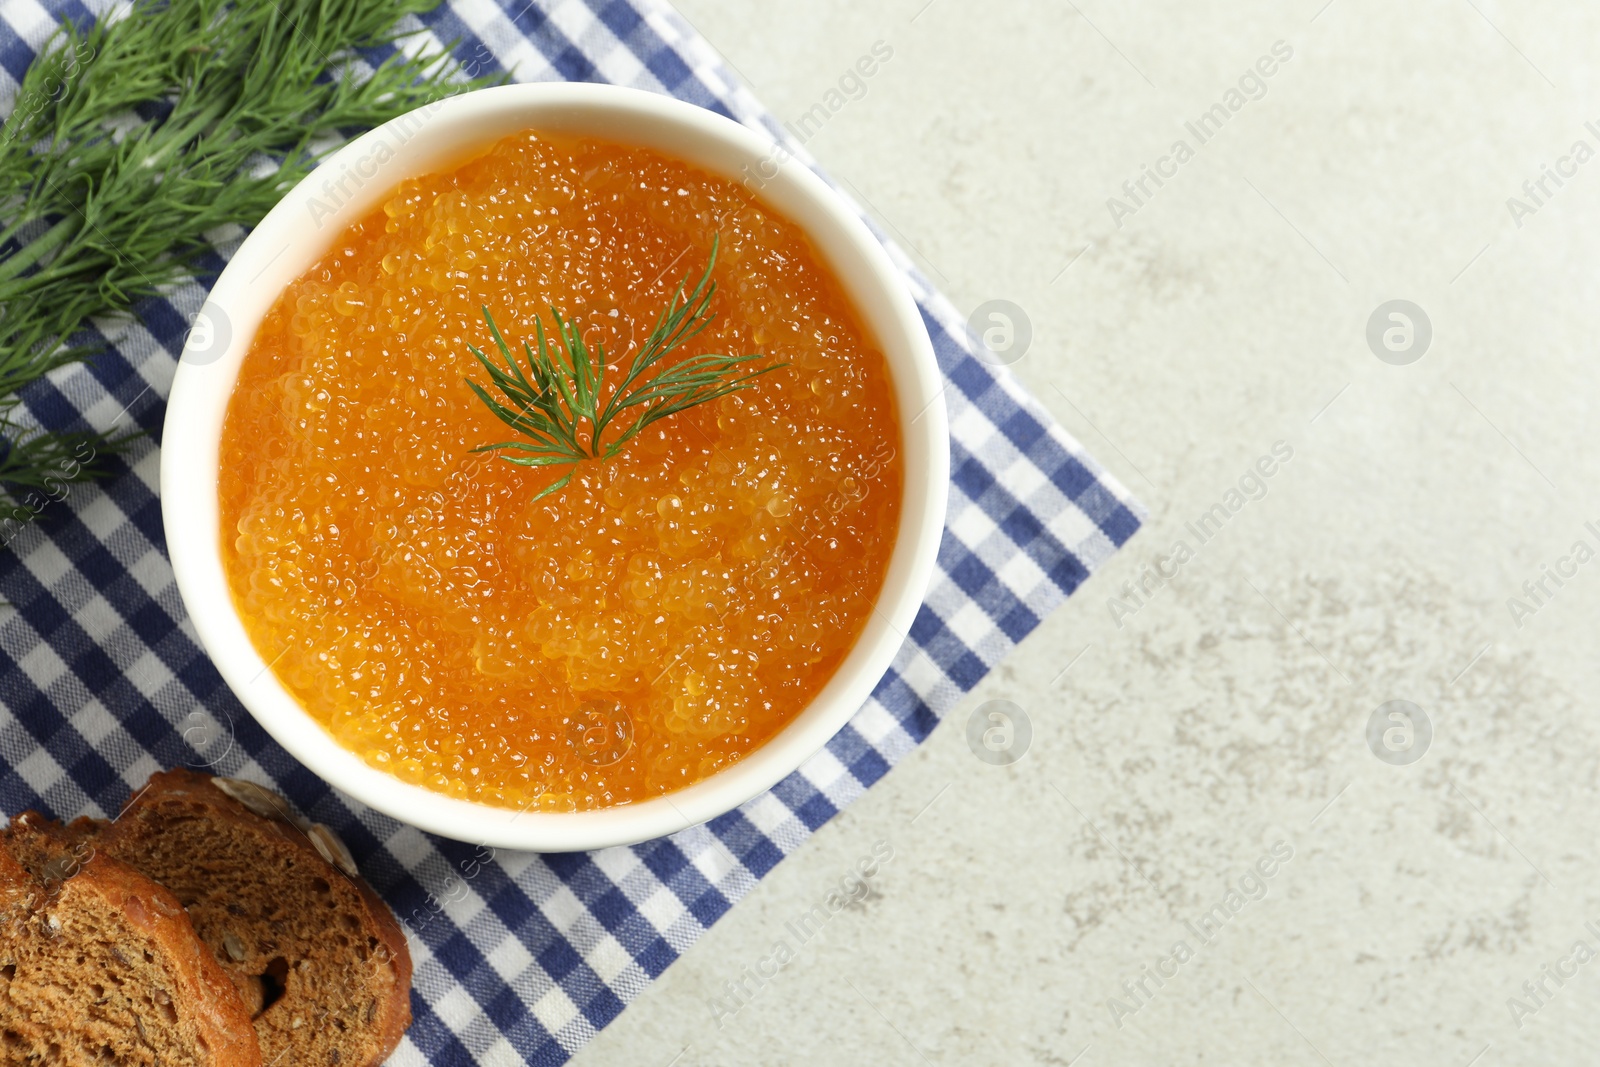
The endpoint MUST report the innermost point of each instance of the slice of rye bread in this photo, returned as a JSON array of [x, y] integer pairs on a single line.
[[284, 911], [99, 965]]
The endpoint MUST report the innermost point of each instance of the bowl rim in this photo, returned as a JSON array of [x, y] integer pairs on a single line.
[[207, 371]]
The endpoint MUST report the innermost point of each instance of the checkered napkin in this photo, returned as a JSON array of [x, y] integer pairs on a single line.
[[519, 957]]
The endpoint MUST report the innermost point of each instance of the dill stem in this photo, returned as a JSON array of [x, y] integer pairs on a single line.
[[12, 230], [34, 250], [177, 138]]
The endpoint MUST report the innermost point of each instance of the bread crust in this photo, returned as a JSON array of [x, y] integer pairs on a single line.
[[17, 893], [184, 790], [155, 912]]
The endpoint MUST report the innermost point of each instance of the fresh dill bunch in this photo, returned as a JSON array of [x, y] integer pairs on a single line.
[[564, 389], [132, 139]]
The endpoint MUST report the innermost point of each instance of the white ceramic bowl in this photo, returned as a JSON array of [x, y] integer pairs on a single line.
[[353, 182]]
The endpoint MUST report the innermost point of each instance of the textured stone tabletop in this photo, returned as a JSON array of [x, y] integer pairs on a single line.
[[1313, 768]]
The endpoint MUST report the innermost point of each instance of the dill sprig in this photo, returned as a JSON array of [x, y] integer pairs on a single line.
[[132, 140], [562, 389]]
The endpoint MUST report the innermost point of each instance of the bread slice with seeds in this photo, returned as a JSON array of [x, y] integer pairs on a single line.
[[309, 946], [99, 965]]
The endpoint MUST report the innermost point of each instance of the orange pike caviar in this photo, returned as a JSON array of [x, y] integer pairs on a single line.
[[665, 613]]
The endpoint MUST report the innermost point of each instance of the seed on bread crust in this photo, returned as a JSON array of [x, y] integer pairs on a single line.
[[332, 849], [269, 805], [264, 802]]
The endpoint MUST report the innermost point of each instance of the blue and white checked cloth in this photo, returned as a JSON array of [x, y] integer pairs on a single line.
[[519, 957]]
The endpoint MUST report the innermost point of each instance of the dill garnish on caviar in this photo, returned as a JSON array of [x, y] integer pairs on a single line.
[[566, 389]]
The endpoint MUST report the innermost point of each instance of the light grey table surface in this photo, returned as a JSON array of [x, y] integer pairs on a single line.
[[1224, 709]]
